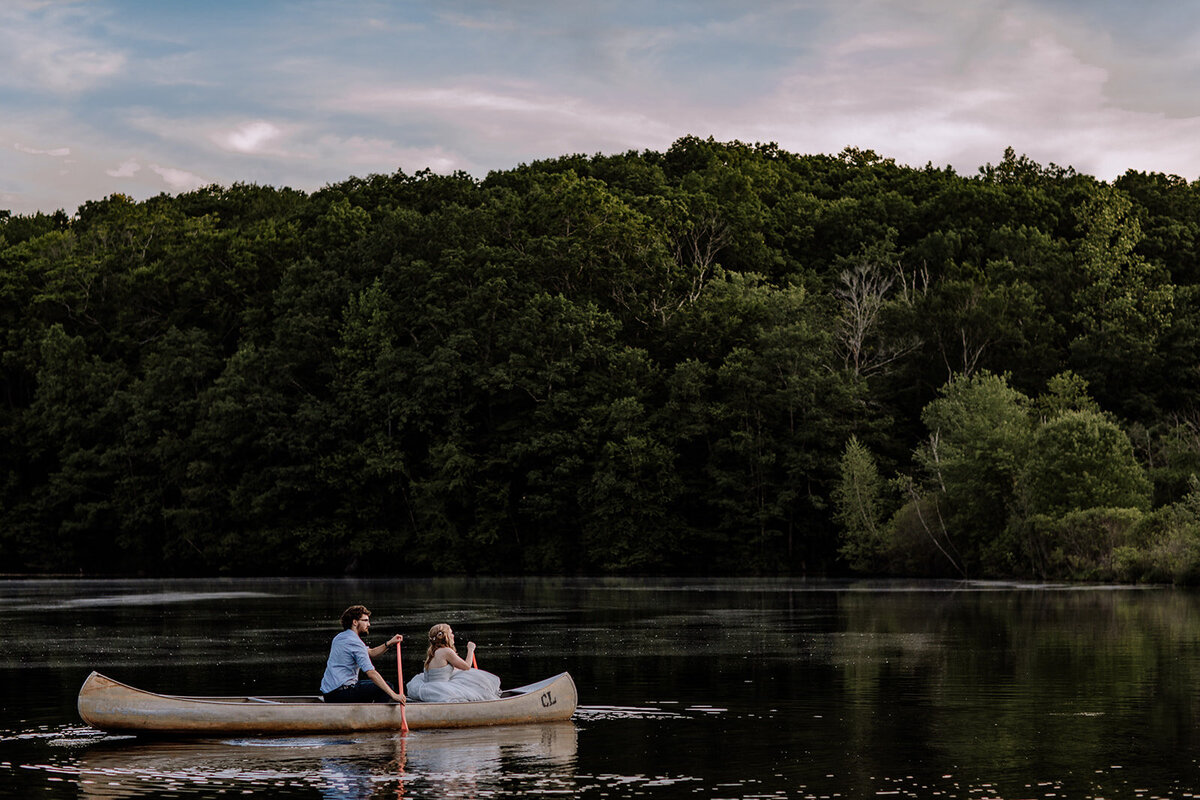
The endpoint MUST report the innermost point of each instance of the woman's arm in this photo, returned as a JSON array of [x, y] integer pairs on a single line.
[[446, 655]]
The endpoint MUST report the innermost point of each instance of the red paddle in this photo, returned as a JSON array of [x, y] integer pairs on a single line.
[[400, 678]]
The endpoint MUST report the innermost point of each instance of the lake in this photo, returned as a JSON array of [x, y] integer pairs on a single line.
[[688, 688]]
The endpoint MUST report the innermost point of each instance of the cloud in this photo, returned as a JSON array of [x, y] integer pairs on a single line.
[[179, 180], [41, 47], [251, 138], [330, 90], [308, 153], [56, 152], [454, 98], [127, 169], [217, 136], [528, 119], [959, 90], [356, 153]]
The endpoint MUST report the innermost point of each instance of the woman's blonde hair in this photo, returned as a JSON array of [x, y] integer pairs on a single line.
[[439, 637]]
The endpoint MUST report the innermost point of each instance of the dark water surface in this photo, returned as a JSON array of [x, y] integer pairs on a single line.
[[692, 688]]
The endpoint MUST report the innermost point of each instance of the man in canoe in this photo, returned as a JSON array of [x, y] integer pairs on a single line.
[[348, 654]]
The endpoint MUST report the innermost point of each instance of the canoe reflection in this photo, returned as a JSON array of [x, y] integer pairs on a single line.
[[444, 762]]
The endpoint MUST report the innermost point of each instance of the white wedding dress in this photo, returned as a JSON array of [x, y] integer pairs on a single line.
[[449, 685]]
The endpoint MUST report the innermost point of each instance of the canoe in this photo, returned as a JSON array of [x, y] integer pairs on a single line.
[[117, 708]]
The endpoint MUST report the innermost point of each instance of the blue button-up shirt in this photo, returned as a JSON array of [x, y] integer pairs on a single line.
[[347, 655]]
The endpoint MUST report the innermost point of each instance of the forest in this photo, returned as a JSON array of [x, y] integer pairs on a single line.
[[723, 358]]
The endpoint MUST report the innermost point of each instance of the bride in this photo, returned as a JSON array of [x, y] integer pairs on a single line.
[[448, 678]]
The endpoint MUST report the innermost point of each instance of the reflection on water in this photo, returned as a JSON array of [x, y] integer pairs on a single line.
[[159, 598], [445, 763], [697, 688]]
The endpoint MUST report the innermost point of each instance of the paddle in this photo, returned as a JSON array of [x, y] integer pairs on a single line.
[[400, 679]]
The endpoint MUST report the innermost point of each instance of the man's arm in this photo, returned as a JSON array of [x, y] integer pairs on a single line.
[[383, 648], [378, 680]]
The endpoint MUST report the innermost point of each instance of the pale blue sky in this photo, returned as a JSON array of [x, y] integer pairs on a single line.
[[142, 96]]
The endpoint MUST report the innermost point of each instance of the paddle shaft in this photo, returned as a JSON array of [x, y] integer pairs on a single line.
[[400, 686]]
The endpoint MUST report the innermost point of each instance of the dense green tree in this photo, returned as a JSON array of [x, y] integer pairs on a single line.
[[980, 433], [1081, 493], [860, 507], [1168, 213], [1081, 460], [641, 362], [1121, 307], [63, 516]]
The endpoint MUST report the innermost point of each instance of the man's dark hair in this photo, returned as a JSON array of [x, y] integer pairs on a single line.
[[352, 613]]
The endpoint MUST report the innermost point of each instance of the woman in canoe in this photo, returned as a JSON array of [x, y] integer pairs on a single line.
[[448, 677]]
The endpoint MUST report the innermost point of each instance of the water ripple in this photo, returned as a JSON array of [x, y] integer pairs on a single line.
[[624, 712]]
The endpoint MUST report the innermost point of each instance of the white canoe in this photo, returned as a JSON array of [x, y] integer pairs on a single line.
[[117, 708]]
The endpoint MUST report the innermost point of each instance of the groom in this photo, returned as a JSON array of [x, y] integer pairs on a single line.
[[348, 654]]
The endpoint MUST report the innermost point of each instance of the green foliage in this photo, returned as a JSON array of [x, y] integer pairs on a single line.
[[1165, 546], [980, 436], [1123, 304], [1065, 392], [643, 362], [1008, 491], [1081, 460], [858, 503], [1080, 544]]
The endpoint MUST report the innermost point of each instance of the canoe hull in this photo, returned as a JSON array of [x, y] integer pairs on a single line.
[[112, 706]]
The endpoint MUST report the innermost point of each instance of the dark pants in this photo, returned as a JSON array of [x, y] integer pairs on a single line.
[[365, 691]]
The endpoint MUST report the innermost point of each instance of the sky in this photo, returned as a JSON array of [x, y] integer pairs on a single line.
[[142, 97]]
